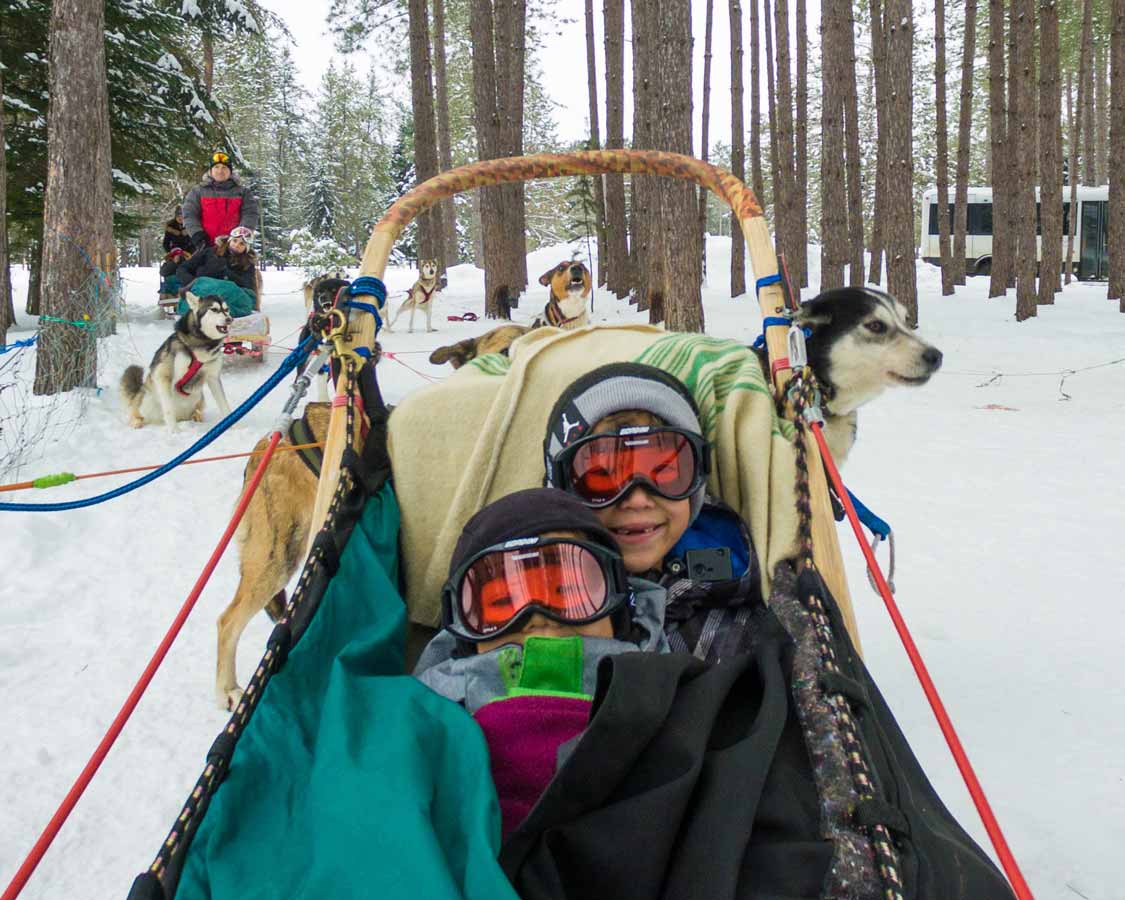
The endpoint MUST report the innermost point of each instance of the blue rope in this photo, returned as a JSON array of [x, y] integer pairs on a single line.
[[26, 342], [368, 286], [766, 281], [868, 518], [290, 362]]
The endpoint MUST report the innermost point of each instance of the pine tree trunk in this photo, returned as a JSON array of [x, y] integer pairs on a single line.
[[78, 212], [833, 193], [879, 63], [617, 276], [208, 42], [1116, 164], [595, 141], [676, 299], [449, 241], [704, 144], [509, 21], [35, 276], [1086, 105], [645, 251], [964, 124], [771, 107], [789, 220], [738, 132], [1002, 244], [756, 178], [899, 215], [854, 164], [1023, 70], [7, 310], [498, 286], [1050, 151], [801, 150], [1101, 112], [1074, 121], [942, 161], [425, 128]]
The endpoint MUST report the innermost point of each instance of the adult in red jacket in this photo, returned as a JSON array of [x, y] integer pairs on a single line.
[[219, 204]]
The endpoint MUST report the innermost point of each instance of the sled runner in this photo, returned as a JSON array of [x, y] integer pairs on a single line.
[[783, 774]]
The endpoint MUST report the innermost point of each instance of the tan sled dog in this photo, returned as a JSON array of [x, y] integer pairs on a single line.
[[570, 285], [421, 295]]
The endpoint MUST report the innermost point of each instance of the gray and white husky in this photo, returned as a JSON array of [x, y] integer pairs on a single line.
[[860, 345], [192, 357]]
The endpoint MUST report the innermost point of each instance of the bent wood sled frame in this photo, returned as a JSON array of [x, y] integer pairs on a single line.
[[744, 205]]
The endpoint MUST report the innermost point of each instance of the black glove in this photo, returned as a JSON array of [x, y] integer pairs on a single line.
[[199, 239]]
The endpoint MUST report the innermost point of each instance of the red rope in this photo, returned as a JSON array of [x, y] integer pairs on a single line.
[[1007, 860], [87, 774], [393, 356]]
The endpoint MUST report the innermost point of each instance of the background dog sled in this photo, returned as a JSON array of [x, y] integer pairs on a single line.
[[338, 709]]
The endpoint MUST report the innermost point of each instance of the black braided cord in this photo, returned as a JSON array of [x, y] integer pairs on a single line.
[[803, 391], [159, 881]]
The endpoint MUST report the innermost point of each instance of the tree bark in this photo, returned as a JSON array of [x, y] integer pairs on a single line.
[[78, 211], [617, 276], [509, 21], [942, 161], [964, 139], [789, 221], [1023, 69], [430, 229], [756, 178], [645, 251], [1086, 106], [771, 107], [999, 149], [1116, 163], [595, 141], [738, 133], [208, 43], [35, 277], [801, 150], [449, 241], [7, 310], [1101, 118], [1077, 127], [879, 63], [899, 216], [1050, 151], [854, 158], [676, 299], [833, 193], [498, 285], [704, 142]]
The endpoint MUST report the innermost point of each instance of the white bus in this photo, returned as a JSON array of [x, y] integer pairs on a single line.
[[1090, 256]]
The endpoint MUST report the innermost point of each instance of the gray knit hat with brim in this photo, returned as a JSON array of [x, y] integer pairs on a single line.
[[615, 388]]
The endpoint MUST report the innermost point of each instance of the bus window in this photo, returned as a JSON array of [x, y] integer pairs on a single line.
[[980, 218]]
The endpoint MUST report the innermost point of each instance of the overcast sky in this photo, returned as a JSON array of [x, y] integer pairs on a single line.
[[564, 60]]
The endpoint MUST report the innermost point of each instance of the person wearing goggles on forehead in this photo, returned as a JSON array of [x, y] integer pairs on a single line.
[[228, 270], [626, 441], [219, 204], [537, 596]]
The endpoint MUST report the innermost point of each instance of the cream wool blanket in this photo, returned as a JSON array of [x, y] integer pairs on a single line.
[[459, 445]]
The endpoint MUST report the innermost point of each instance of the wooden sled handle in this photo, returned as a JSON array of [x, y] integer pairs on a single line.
[[721, 183]]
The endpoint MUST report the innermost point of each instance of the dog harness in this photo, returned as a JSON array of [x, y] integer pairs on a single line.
[[555, 315], [189, 376], [426, 294]]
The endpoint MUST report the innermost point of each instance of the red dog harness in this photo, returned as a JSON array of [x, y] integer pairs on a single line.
[[188, 376], [555, 315], [425, 294]]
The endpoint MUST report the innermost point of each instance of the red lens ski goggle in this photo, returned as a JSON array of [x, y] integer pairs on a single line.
[[602, 468], [567, 580]]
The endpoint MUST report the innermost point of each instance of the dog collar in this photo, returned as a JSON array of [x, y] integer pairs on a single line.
[[555, 316], [189, 375]]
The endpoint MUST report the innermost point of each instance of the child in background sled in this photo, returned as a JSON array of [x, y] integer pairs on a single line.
[[537, 597]]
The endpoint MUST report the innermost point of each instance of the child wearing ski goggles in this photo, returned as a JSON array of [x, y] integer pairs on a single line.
[[537, 596]]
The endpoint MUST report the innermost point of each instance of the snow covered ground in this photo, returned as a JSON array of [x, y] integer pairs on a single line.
[[1002, 493]]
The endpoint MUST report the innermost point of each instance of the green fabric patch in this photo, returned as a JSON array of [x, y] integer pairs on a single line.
[[552, 666], [239, 300], [492, 364]]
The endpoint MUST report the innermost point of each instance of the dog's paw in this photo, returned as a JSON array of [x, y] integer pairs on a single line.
[[197, 415], [430, 330], [229, 700], [136, 422]]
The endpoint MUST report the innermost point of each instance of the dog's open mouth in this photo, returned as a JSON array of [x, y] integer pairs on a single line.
[[223, 329], [905, 379]]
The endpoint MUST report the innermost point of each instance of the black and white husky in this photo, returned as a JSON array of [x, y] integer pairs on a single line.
[[860, 345], [192, 357]]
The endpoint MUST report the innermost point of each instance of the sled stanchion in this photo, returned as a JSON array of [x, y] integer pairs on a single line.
[[49, 833], [988, 818]]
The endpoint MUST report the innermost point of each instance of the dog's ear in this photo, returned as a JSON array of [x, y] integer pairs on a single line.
[[813, 313], [545, 278], [192, 301]]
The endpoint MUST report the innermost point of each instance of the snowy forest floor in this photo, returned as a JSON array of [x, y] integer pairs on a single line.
[[1001, 491]]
